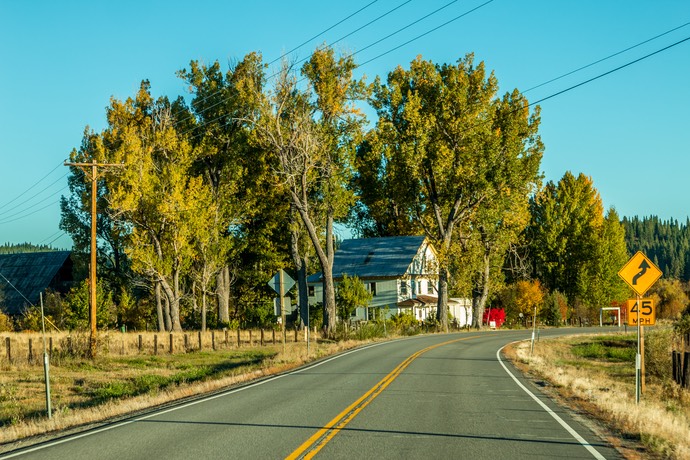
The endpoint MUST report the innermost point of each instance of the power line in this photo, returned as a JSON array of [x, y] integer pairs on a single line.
[[583, 82], [34, 196], [208, 122], [607, 57], [57, 238], [29, 214], [426, 33], [330, 45], [609, 72], [214, 93], [51, 236], [321, 33], [403, 28], [298, 62], [34, 185]]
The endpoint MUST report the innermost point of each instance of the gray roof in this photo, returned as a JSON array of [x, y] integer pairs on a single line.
[[31, 273], [386, 257]]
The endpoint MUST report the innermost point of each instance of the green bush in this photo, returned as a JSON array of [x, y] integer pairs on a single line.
[[657, 353]]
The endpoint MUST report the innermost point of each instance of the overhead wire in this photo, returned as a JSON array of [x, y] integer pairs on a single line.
[[606, 58], [628, 64], [208, 122], [31, 187], [321, 33], [330, 45], [9, 219], [56, 238], [589, 80], [49, 237], [214, 93], [35, 195], [426, 33], [212, 106]]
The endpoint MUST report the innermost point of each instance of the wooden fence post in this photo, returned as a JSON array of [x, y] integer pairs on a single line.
[[274, 336], [171, 344], [238, 337], [200, 346], [31, 351], [295, 335], [213, 340], [686, 370], [186, 343], [50, 347], [8, 349], [141, 343], [251, 344], [262, 336], [155, 344], [227, 334]]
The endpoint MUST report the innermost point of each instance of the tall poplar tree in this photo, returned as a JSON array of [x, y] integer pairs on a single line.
[[454, 147], [312, 135]]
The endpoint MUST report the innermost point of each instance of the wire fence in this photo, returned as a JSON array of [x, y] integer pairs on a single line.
[[28, 347]]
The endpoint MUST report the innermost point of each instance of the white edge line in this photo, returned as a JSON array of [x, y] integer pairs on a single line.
[[184, 406], [562, 422]]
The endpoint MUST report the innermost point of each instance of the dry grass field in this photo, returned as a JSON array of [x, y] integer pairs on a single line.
[[125, 377], [596, 375]]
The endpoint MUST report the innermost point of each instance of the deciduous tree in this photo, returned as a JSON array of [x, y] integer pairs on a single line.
[[454, 147]]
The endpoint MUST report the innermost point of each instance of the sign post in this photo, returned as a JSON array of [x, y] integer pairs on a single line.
[[640, 273], [282, 283]]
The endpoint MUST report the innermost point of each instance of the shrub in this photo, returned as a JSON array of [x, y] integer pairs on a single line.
[[657, 352], [5, 323]]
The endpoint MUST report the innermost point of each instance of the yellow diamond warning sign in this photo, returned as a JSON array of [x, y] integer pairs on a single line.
[[640, 273]]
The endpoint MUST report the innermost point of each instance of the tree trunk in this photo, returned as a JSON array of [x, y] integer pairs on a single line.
[[172, 294], [203, 311], [325, 259], [481, 293], [166, 313], [442, 306], [301, 263], [159, 308], [223, 294]]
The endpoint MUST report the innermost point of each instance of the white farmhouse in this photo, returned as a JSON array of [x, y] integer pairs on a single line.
[[401, 272]]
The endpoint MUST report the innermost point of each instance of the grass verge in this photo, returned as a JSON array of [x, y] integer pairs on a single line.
[[596, 375], [84, 392]]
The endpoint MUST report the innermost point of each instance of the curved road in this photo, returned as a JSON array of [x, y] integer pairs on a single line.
[[435, 396]]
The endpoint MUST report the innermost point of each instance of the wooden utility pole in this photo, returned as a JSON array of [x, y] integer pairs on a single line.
[[92, 265]]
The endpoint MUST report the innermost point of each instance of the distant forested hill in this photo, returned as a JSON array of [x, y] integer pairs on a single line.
[[666, 242], [9, 248]]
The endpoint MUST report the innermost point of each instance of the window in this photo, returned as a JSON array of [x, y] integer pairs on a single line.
[[403, 288], [372, 289], [310, 291], [419, 287], [429, 287]]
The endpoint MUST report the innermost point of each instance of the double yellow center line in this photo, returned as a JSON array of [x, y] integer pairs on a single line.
[[315, 443]]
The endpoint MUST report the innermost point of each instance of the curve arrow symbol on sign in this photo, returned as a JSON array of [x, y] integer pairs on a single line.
[[643, 269]]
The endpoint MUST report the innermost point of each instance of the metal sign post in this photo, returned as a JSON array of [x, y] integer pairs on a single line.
[[640, 273], [282, 283], [46, 361]]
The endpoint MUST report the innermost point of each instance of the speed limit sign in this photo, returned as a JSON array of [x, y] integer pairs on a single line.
[[647, 313]]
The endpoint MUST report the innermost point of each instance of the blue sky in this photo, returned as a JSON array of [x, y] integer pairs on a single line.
[[630, 130]]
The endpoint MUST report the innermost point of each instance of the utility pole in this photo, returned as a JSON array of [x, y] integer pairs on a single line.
[[92, 266]]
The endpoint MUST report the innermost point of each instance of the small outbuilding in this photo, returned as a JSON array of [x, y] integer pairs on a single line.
[[24, 276]]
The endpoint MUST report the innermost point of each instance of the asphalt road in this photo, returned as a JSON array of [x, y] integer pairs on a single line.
[[436, 396]]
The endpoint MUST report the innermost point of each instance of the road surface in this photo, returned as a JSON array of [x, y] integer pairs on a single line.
[[434, 396]]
